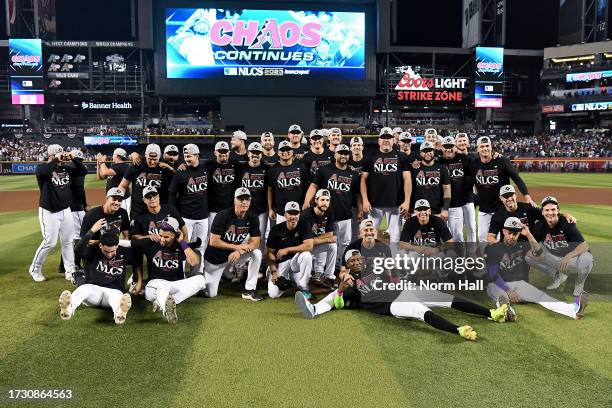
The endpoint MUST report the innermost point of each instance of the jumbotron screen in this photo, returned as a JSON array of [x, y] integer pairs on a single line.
[[224, 43]]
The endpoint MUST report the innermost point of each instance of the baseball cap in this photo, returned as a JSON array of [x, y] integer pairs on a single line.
[[149, 190], [239, 134], [153, 150], [483, 140], [221, 146], [54, 149], [385, 131], [316, 133], [283, 144], [322, 192], [448, 141], [267, 134], [460, 134], [366, 223], [422, 203], [169, 224], [513, 224], [115, 192], [397, 130], [431, 131], [427, 146], [120, 152], [77, 153], [356, 139], [292, 206], [191, 149], [342, 148], [351, 253], [242, 191], [405, 137], [549, 200], [255, 147], [171, 149], [506, 190], [295, 129], [335, 131], [325, 132]]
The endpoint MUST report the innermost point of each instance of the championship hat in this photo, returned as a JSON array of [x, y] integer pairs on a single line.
[[115, 192], [54, 149], [405, 137], [221, 146], [448, 141], [283, 144], [366, 223], [255, 147], [169, 224], [335, 130], [549, 200], [267, 134], [292, 206], [191, 149], [356, 139], [427, 146], [386, 131], [513, 224], [316, 134], [77, 153], [460, 134], [171, 149], [397, 130], [422, 203], [120, 152], [295, 129], [152, 150], [342, 148], [242, 191], [240, 135], [149, 190], [431, 131], [351, 253], [322, 192], [483, 140], [507, 189]]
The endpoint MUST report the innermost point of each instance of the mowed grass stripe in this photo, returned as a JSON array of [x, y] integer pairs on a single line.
[[28, 182], [573, 180]]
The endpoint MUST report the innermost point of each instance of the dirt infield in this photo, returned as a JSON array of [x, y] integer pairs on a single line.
[[28, 200]]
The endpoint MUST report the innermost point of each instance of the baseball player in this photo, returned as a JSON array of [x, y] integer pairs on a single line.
[[270, 158], [188, 194], [54, 178], [287, 181], [325, 250], [356, 291], [488, 175], [343, 184], [423, 234], [564, 248], [116, 218], [294, 136], [509, 273], [430, 181], [105, 272], [384, 177], [334, 139], [147, 225], [288, 253], [396, 133], [222, 181], [405, 146], [356, 164], [171, 156], [235, 238], [151, 173], [239, 151], [317, 156], [114, 173]]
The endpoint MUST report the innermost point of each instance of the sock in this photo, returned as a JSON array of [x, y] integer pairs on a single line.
[[439, 322], [470, 307]]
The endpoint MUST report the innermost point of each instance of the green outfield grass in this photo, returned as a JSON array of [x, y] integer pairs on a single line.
[[28, 182]]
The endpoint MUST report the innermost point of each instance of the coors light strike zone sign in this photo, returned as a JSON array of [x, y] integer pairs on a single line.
[[414, 88]]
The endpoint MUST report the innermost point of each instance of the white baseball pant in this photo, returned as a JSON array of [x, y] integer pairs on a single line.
[[211, 218], [94, 295], [484, 220], [157, 290], [394, 222], [197, 229], [213, 272], [460, 216], [549, 263], [263, 230], [325, 259], [77, 218], [298, 269], [52, 225], [413, 304], [342, 230], [280, 219], [531, 294], [126, 204]]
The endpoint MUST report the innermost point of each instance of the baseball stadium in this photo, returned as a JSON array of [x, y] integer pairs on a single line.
[[201, 201]]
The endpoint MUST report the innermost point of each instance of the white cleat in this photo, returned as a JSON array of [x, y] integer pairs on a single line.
[[38, 276], [65, 303], [170, 312], [307, 308], [68, 276], [124, 306], [558, 281]]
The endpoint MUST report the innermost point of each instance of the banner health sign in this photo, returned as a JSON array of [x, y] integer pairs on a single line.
[[26, 70], [215, 43], [489, 77]]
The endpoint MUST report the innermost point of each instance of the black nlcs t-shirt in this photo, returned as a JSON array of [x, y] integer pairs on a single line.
[[108, 273], [321, 224], [343, 186], [559, 240], [162, 262], [118, 221], [149, 224], [254, 179], [191, 185], [280, 237], [243, 159], [114, 181], [54, 181], [432, 234], [270, 161], [528, 214], [221, 184], [143, 176], [232, 230], [355, 165], [385, 182], [510, 260], [427, 183], [315, 161], [458, 172], [288, 183], [300, 151]]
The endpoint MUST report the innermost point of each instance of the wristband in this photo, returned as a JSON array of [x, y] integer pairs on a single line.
[[183, 244], [446, 204]]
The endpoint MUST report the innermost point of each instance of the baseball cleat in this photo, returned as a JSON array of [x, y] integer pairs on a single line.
[[304, 306], [500, 314], [124, 306], [467, 332], [170, 312], [328, 282], [511, 314], [579, 285], [65, 303], [316, 277], [251, 295], [38, 276], [307, 294], [581, 303], [155, 306], [558, 281], [68, 277]]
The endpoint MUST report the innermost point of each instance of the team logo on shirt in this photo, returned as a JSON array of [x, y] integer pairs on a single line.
[[149, 180], [166, 261], [511, 261], [223, 176], [289, 179], [60, 178], [424, 238], [236, 235], [487, 177], [253, 181], [316, 164], [455, 170], [111, 225], [339, 183], [426, 178], [197, 185], [553, 242], [112, 267], [318, 228], [385, 165]]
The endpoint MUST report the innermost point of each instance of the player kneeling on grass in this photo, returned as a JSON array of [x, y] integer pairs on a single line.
[[510, 274], [230, 229], [288, 253], [357, 290], [167, 285], [104, 275]]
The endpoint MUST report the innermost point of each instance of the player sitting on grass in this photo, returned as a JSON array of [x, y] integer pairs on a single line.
[[509, 273], [353, 292], [104, 275]]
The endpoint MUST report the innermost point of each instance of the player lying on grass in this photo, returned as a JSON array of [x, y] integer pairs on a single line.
[[355, 291], [509, 273], [105, 269]]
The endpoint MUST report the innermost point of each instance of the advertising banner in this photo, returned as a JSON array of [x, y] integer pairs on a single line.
[[110, 140], [412, 87], [26, 71], [489, 81], [217, 43], [587, 76]]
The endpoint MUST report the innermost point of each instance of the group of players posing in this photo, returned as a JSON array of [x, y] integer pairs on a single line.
[[317, 208]]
